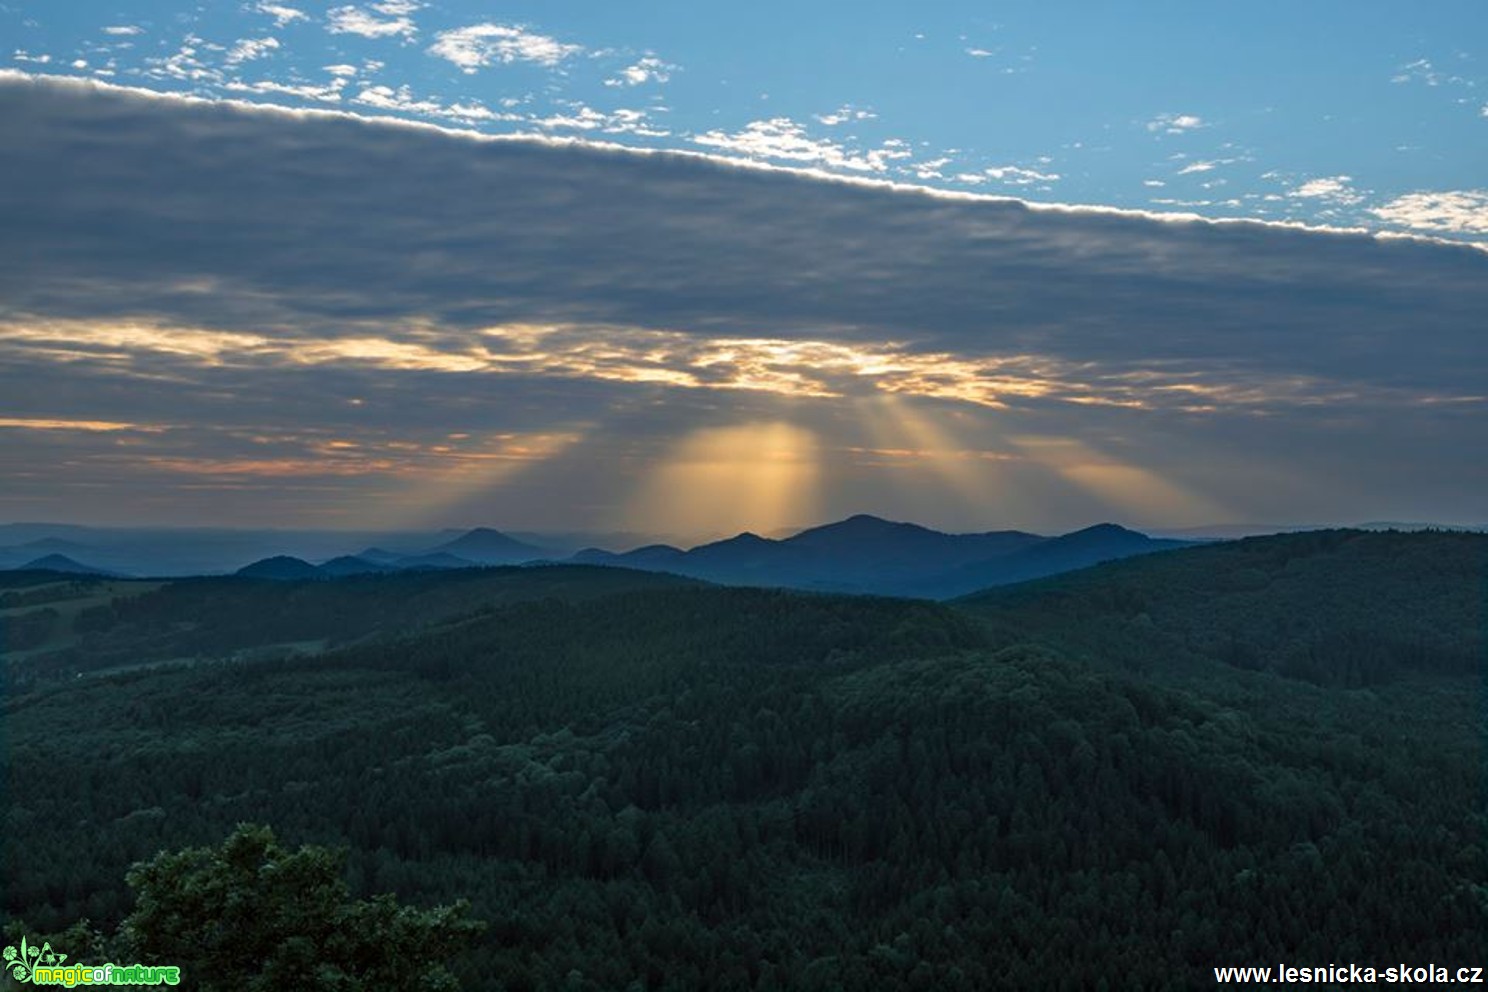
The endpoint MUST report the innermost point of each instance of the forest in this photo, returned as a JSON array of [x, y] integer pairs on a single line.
[[1242, 753]]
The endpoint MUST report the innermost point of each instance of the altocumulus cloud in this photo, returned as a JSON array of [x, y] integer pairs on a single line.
[[259, 253]]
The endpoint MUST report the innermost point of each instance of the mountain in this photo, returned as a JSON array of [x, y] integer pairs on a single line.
[[280, 567], [379, 556], [62, 563], [434, 560], [485, 546], [26, 532], [58, 545], [1345, 608], [867, 554], [652, 556], [745, 558], [869, 541], [1420, 525], [98, 623], [351, 565], [1050, 556]]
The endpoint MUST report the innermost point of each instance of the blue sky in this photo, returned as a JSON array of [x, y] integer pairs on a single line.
[[413, 265], [1342, 114]]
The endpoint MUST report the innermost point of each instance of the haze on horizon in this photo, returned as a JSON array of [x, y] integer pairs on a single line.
[[229, 314]]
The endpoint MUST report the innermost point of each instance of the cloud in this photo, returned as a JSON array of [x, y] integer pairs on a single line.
[[1334, 189], [585, 118], [1423, 71], [1454, 212], [124, 29], [647, 70], [250, 49], [1012, 175], [480, 45], [1460, 89], [184, 65], [356, 20], [783, 139], [241, 273], [326, 93], [402, 100], [281, 14], [1176, 123], [930, 168], [845, 114]]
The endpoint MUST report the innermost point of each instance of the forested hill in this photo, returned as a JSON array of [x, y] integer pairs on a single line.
[[695, 787], [1341, 607], [54, 626]]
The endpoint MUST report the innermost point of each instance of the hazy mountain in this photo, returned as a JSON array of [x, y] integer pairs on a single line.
[[62, 563], [485, 546], [869, 542], [351, 565], [164, 551], [1420, 525], [1229, 532], [24, 532], [652, 555], [434, 560], [1049, 556], [379, 556], [58, 545], [283, 567], [867, 554]]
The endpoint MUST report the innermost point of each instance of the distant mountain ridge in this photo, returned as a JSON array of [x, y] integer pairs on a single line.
[[891, 551], [62, 563], [867, 554]]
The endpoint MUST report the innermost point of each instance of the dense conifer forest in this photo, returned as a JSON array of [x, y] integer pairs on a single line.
[[1255, 752]]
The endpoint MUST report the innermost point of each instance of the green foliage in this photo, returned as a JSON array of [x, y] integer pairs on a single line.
[[24, 631], [250, 916], [1335, 608], [114, 624]]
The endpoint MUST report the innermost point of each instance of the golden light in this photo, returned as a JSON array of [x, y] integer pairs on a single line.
[[1139, 493], [433, 478], [716, 481], [90, 426]]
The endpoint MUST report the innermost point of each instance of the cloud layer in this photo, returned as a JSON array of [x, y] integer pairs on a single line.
[[251, 262]]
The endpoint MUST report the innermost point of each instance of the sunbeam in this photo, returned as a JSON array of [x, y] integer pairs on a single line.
[[756, 476]]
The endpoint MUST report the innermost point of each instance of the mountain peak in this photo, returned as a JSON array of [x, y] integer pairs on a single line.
[[1104, 530], [863, 533], [488, 546], [62, 563], [280, 568], [742, 539]]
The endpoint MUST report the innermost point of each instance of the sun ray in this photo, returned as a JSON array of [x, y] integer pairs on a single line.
[[453, 473], [1139, 493], [759, 476], [916, 443]]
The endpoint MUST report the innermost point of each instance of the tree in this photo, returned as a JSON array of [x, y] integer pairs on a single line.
[[250, 915]]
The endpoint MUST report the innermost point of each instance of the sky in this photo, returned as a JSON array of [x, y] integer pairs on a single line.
[[689, 271]]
